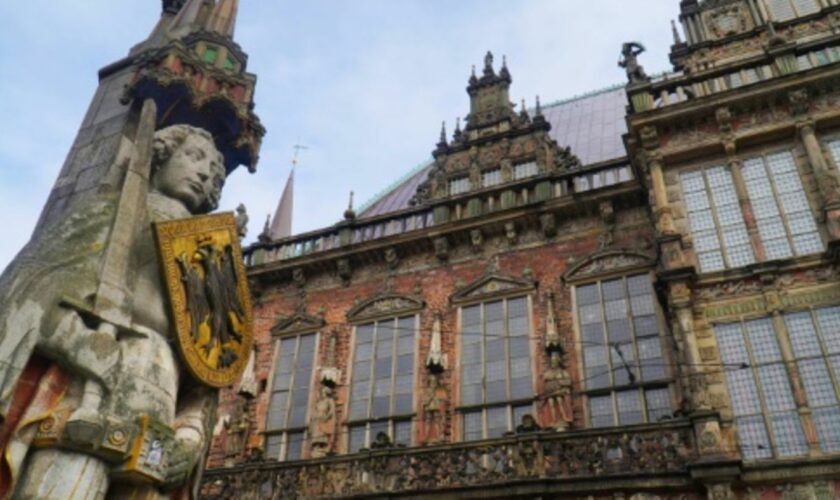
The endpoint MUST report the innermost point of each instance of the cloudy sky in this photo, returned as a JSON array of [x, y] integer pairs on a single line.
[[364, 84]]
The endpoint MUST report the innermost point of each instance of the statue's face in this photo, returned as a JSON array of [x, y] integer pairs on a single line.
[[194, 174]]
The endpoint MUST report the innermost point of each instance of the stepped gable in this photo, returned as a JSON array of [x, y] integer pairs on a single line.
[[591, 125]]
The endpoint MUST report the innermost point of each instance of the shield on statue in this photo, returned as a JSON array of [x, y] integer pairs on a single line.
[[208, 295]]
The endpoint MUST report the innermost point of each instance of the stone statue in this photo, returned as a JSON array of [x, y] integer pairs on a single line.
[[242, 220], [629, 54], [434, 400], [237, 429], [558, 394], [46, 343], [322, 425]]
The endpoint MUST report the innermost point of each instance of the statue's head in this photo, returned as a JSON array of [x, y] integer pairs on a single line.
[[186, 166]]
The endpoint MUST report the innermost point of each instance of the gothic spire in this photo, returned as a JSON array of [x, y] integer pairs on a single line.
[[223, 18]]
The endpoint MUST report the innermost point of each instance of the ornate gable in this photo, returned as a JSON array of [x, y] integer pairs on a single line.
[[389, 304], [299, 322], [492, 285], [608, 262]]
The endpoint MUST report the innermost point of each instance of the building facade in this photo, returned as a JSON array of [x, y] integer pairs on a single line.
[[631, 294]]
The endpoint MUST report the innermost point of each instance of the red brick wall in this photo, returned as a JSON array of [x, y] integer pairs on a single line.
[[424, 276]]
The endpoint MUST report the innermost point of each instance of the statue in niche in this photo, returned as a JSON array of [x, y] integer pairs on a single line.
[[237, 429], [629, 61], [558, 394], [322, 425], [43, 296], [434, 402]]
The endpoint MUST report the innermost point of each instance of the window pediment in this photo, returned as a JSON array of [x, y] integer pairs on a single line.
[[297, 323], [390, 304], [608, 262], [491, 286]]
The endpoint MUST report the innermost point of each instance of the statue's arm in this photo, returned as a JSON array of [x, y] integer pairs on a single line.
[[193, 425]]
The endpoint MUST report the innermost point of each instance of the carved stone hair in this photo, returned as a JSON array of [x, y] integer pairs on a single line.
[[168, 140]]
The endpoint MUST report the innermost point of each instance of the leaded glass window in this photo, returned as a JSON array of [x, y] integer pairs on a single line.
[[782, 212], [625, 372], [459, 185], [523, 170], [785, 10], [491, 177], [289, 402], [760, 391], [815, 338], [496, 376], [717, 224], [382, 382]]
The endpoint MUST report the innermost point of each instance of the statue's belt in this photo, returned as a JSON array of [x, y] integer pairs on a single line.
[[139, 450]]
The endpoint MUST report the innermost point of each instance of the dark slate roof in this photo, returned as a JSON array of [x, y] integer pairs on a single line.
[[592, 125]]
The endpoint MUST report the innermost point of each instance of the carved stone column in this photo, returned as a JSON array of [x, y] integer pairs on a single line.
[[825, 175], [744, 201], [664, 214]]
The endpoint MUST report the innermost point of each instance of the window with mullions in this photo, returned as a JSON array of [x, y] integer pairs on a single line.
[[491, 177], [815, 337], [782, 212], [459, 185], [760, 392], [526, 169], [717, 224], [496, 381], [625, 372], [289, 403], [382, 383], [785, 10]]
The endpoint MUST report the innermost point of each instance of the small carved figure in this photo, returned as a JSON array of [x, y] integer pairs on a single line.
[[382, 440], [528, 424], [237, 429], [434, 401], [322, 425], [242, 220], [629, 54], [558, 394]]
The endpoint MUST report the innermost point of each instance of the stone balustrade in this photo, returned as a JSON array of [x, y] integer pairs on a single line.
[[631, 452]]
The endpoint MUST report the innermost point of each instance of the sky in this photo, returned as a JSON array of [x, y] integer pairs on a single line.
[[363, 84]]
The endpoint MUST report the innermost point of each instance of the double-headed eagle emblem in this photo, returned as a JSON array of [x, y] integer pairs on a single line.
[[209, 296]]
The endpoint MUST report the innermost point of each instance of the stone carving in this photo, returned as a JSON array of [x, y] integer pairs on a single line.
[[729, 289], [237, 429], [552, 337], [720, 491], [96, 398], [607, 213], [538, 454], [728, 20], [436, 360], [607, 261], [491, 284], [476, 239], [434, 406], [557, 385], [510, 233], [299, 277], [384, 305], [322, 425], [242, 220], [345, 272], [392, 258], [298, 322], [441, 248], [548, 224], [629, 61]]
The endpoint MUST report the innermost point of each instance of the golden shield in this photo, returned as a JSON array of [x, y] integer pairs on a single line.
[[208, 295]]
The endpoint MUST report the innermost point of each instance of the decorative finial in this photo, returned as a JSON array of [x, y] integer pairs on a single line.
[[675, 32], [457, 135], [538, 108], [442, 141], [473, 78], [436, 360], [504, 73], [488, 64], [350, 214], [523, 111], [265, 235]]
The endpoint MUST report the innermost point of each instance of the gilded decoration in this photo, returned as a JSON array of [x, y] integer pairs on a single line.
[[209, 299], [491, 285], [389, 304], [606, 262]]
